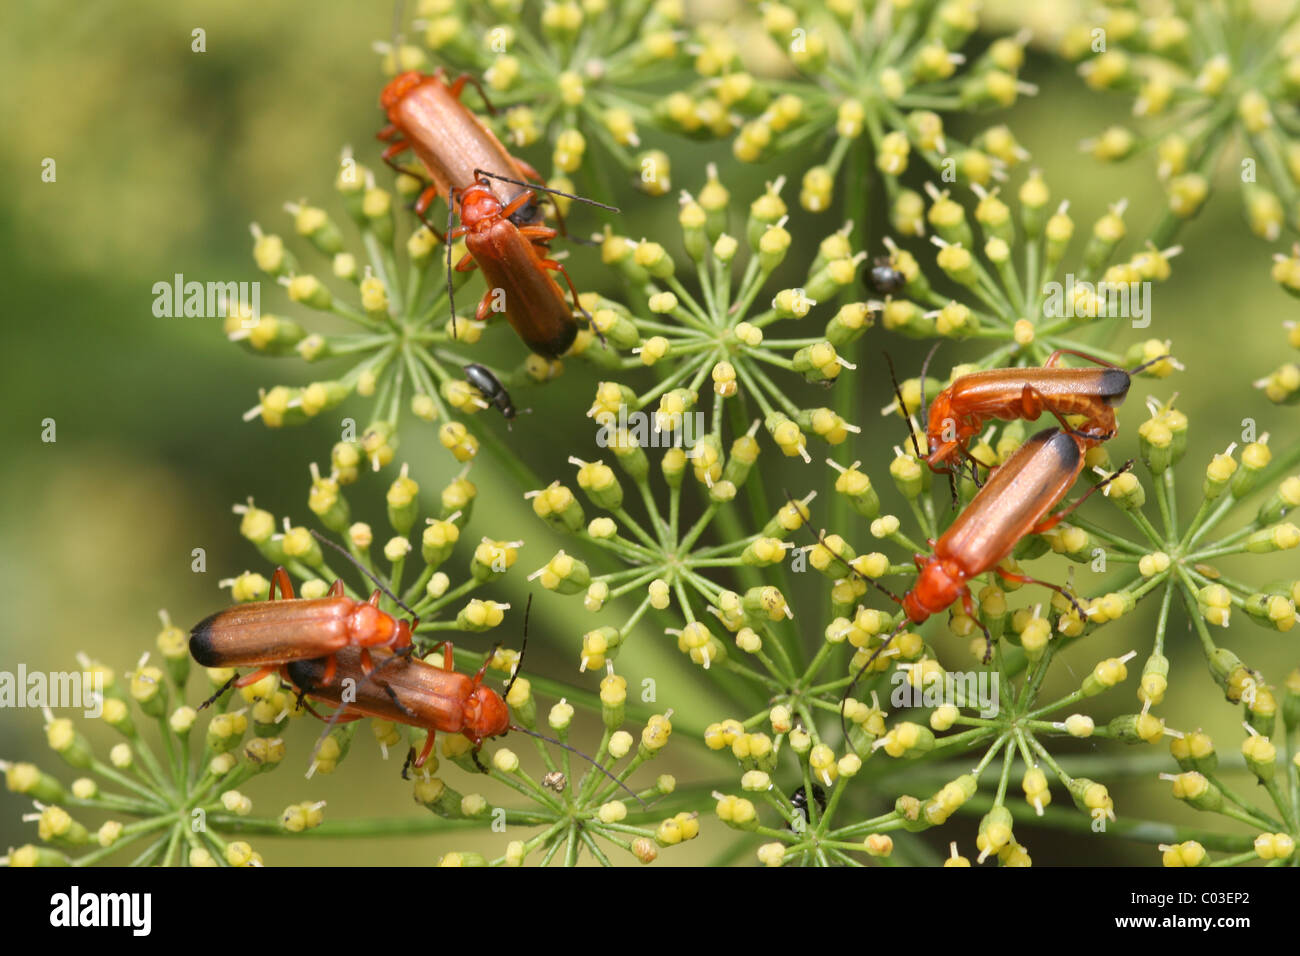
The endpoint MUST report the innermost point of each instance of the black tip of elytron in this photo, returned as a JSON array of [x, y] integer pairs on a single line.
[[201, 643]]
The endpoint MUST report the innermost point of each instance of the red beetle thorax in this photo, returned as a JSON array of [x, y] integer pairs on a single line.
[[397, 88], [486, 714], [479, 207], [937, 587], [369, 625]]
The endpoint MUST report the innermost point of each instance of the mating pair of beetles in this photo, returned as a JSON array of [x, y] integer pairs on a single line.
[[1018, 497]]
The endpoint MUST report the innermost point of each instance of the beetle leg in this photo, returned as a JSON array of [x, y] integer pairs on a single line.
[[393, 149], [1026, 579], [366, 664], [424, 754], [1031, 402], [478, 677], [281, 580], [539, 234], [528, 171], [220, 690], [255, 676], [458, 85], [421, 206], [331, 666], [336, 589], [968, 606], [552, 264], [1051, 521], [474, 754], [392, 695]]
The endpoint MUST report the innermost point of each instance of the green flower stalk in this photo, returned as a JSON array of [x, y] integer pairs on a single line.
[[716, 336]]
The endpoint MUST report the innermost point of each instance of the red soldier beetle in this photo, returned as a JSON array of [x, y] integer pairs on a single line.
[[1015, 502], [407, 690], [427, 117], [959, 412], [515, 265], [268, 634]]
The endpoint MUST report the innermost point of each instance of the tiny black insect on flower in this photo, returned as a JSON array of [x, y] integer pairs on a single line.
[[800, 800], [492, 389], [883, 278]]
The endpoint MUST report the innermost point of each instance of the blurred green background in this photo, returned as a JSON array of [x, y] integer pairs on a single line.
[[163, 158]]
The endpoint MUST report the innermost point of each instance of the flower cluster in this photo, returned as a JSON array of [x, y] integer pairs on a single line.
[[1210, 79], [574, 76], [886, 70]]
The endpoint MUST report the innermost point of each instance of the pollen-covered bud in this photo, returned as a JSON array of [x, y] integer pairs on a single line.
[[1091, 797], [30, 781], [909, 475], [1126, 491], [55, 825], [1283, 500], [226, 730], [1261, 757], [816, 189], [906, 739], [655, 735], [478, 616], [907, 213], [557, 506], [1279, 537], [949, 220], [1137, 728], [1194, 751], [1185, 854], [1271, 610], [563, 574], [570, 146], [1155, 442], [1106, 675], [613, 698], [1274, 846], [270, 254], [736, 812], [994, 832], [1282, 386], [1196, 790]]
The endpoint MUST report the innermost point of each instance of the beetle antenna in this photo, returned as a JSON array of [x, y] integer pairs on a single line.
[[575, 750], [398, 10], [519, 665], [805, 516], [902, 406], [451, 292], [1155, 361], [925, 367], [366, 571], [546, 189], [844, 727]]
